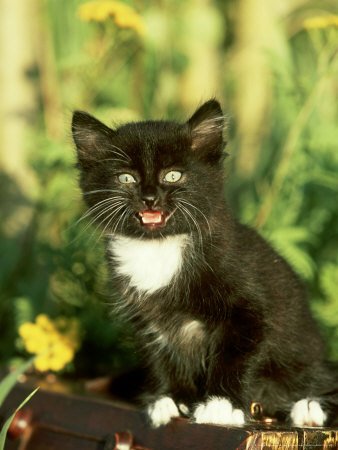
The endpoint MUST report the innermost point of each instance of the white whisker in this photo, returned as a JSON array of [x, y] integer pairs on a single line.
[[115, 159], [198, 228], [181, 200], [120, 152], [97, 191], [118, 222], [101, 204], [112, 206], [184, 216], [111, 217]]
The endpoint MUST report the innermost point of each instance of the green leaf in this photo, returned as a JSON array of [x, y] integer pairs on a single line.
[[329, 280], [292, 234], [288, 242], [4, 430], [10, 380]]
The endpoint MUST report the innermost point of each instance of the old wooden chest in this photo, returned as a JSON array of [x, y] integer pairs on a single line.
[[54, 421]]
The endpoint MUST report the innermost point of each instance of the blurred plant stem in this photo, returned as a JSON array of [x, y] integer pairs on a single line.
[[49, 83], [114, 51], [287, 152], [201, 41], [17, 92], [137, 81], [256, 32]]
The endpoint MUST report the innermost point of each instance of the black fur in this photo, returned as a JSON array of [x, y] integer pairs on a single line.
[[259, 342]]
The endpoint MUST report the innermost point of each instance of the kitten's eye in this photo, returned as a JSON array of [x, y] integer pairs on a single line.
[[173, 176], [126, 178]]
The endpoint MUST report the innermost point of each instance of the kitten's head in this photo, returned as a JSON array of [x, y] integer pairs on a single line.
[[154, 178]]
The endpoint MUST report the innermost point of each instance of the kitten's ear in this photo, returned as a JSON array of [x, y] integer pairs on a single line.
[[206, 126], [90, 136]]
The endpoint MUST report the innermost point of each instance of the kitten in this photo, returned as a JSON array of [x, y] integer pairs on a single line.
[[221, 319]]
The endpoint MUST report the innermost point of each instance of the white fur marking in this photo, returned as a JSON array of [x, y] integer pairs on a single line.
[[162, 411], [150, 264], [192, 329], [161, 339], [219, 411], [308, 413]]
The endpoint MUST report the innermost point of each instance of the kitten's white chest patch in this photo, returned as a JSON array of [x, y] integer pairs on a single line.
[[150, 264]]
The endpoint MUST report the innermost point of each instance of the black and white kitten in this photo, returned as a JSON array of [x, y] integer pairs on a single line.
[[221, 318]]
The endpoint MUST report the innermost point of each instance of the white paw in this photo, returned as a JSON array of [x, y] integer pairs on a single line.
[[307, 413], [219, 411], [162, 411]]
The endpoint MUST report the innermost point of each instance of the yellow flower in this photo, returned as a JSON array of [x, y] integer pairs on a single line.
[[124, 15], [55, 342], [130, 21], [321, 22]]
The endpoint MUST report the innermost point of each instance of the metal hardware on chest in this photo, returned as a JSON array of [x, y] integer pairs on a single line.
[[122, 441], [256, 411], [20, 423]]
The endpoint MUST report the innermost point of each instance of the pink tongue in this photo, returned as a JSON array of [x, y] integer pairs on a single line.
[[151, 217]]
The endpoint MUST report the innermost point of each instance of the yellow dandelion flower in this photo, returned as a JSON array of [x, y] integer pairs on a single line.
[[56, 364], [124, 15], [28, 330], [320, 22], [32, 337], [60, 355], [101, 10], [55, 342], [133, 21], [42, 363], [44, 322]]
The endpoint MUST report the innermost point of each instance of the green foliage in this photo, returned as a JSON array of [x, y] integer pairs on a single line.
[[288, 242], [52, 259], [6, 425], [326, 308], [5, 387], [10, 380]]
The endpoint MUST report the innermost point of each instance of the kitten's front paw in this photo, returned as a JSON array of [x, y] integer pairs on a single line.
[[307, 413], [162, 411], [219, 411]]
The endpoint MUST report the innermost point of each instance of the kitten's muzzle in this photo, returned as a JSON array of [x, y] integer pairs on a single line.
[[150, 199], [154, 219], [151, 218]]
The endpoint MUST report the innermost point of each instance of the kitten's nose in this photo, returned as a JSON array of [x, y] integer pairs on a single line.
[[149, 198]]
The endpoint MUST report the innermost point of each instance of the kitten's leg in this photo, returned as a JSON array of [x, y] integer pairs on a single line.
[[307, 413], [162, 411], [219, 411]]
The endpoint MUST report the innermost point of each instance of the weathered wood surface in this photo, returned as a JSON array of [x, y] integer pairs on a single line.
[[68, 422]]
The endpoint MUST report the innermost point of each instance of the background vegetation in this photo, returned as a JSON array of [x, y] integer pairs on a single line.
[[274, 67]]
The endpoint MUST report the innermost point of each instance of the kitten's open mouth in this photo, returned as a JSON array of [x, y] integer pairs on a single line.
[[153, 219]]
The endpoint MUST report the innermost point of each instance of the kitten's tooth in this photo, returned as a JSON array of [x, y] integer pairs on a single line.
[[151, 217]]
